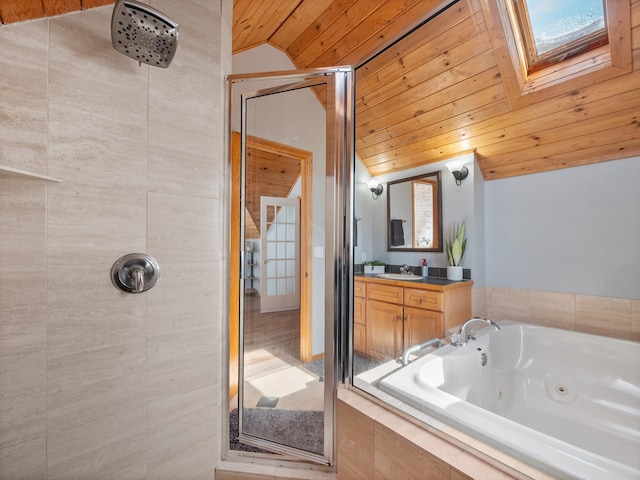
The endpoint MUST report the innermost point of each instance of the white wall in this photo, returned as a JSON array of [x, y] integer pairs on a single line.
[[574, 230], [297, 119], [364, 209]]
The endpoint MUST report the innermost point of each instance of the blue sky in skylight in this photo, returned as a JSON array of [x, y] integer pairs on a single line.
[[564, 18]]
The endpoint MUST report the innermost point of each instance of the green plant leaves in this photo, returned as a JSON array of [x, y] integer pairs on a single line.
[[456, 245]]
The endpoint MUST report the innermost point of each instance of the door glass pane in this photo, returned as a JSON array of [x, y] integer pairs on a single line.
[[290, 249], [291, 232], [271, 250], [281, 232]]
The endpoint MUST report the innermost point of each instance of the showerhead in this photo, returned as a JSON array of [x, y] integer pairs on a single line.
[[143, 33]]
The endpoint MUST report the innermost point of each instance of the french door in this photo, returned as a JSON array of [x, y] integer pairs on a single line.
[[280, 244], [286, 352]]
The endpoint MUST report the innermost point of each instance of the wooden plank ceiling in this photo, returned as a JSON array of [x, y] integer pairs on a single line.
[[271, 169], [440, 92], [12, 11]]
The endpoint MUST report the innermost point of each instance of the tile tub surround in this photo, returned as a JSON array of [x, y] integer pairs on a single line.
[[608, 316], [94, 382], [376, 443]]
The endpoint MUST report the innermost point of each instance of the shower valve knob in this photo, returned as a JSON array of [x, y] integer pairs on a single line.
[[135, 273]]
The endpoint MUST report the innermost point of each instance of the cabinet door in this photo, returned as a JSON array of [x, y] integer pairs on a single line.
[[359, 325], [359, 289], [359, 310], [420, 298], [421, 325], [385, 293], [360, 338], [384, 329]]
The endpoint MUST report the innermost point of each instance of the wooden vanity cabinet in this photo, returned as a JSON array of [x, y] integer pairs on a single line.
[[394, 316], [359, 317]]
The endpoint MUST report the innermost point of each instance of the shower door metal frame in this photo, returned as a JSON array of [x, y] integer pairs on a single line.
[[339, 83]]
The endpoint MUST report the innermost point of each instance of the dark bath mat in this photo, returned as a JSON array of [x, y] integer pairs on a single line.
[[360, 364], [302, 428], [234, 442], [317, 367]]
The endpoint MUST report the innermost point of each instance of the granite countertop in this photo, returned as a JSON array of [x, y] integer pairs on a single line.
[[424, 280]]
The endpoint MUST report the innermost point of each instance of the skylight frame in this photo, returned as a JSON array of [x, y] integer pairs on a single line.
[[535, 61], [567, 77]]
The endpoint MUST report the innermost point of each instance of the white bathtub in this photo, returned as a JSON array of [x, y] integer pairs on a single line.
[[566, 402]]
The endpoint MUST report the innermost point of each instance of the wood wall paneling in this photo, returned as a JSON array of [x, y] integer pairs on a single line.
[[87, 4], [12, 11], [20, 10], [58, 7]]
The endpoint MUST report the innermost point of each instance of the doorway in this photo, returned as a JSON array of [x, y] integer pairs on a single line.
[[283, 307]]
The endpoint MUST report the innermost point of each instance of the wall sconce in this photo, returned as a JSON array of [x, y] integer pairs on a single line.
[[376, 189], [458, 169]]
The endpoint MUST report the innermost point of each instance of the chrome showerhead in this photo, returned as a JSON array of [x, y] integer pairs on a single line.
[[143, 33]]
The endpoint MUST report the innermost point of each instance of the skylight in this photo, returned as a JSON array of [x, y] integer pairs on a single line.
[[553, 30]]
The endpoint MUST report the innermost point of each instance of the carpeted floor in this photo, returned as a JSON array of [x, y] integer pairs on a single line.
[[360, 364], [301, 428]]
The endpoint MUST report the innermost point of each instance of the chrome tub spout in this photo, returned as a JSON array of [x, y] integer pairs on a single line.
[[461, 339], [434, 342]]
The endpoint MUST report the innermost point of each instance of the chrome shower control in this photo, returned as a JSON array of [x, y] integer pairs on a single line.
[[135, 273]]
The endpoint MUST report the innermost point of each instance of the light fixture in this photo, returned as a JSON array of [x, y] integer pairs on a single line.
[[376, 189], [459, 171]]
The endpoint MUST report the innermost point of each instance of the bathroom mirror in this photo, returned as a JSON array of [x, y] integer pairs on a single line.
[[414, 214]]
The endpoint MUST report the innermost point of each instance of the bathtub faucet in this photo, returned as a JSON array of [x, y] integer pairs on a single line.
[[461, 339], [404, 360]]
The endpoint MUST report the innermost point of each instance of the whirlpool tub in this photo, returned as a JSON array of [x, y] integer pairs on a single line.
[[566, 402]]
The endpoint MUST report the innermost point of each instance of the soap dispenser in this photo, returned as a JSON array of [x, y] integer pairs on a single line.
[[425, 268]]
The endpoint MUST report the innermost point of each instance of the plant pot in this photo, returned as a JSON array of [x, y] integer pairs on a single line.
[[454, 273]]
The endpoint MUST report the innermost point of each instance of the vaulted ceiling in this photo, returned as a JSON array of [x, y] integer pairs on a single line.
[[444, 90]]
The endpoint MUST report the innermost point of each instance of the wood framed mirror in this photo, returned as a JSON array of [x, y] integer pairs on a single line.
[[414, 214]]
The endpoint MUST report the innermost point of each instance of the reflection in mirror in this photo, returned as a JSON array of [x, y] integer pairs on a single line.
[[414, 214]]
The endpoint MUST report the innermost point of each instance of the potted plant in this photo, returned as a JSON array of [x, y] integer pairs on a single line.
[[374, 266], [456, 245]]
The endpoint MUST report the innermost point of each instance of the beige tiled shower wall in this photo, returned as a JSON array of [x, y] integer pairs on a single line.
[[608, 316], [94, 382]]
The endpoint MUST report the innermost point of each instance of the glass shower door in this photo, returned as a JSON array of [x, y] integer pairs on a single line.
[[292, 131]]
